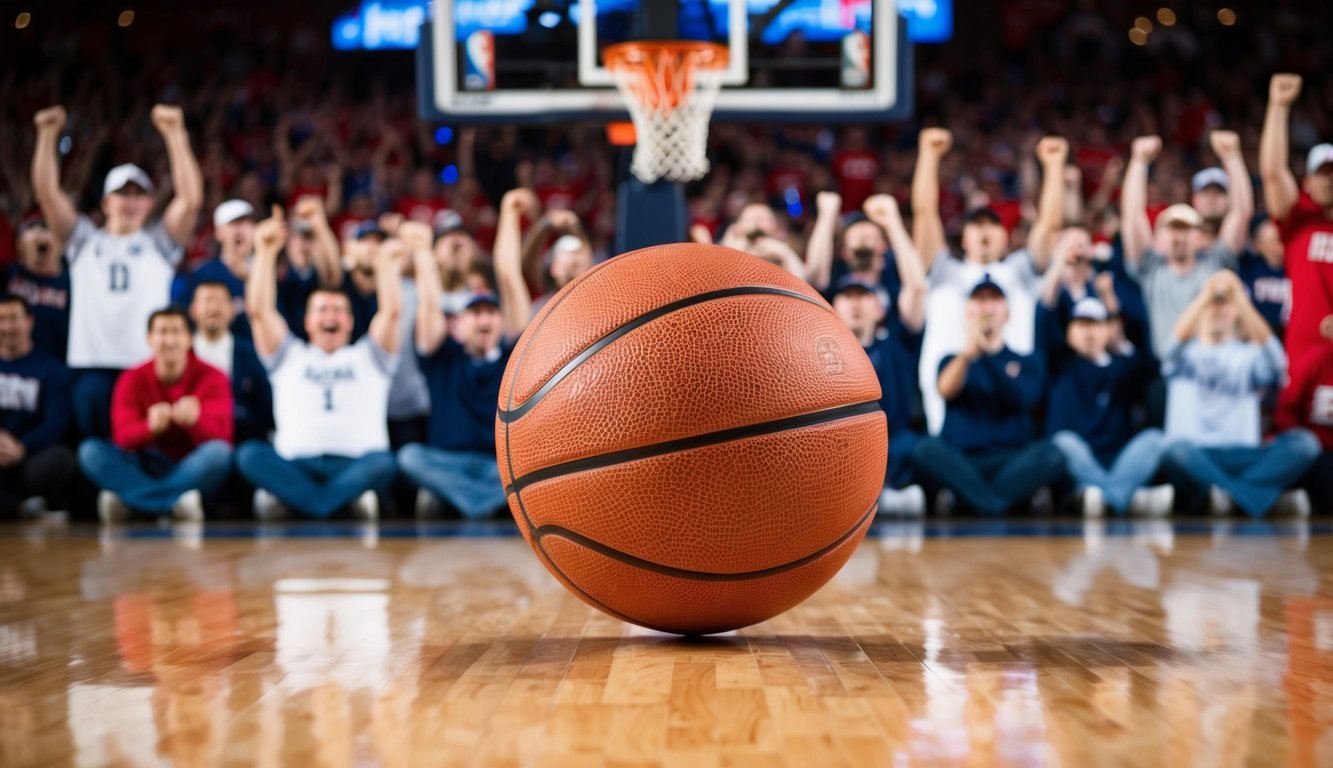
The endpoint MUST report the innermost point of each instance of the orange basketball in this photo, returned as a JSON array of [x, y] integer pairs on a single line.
[[690, 438]]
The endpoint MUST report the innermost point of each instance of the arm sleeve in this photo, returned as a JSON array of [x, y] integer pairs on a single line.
[[1179, 360], [1269, 364], [1293, 401], [157, 232], [56, 408], [129, 423], [274, 361], [83, 231], [215, 409], [386, 362]]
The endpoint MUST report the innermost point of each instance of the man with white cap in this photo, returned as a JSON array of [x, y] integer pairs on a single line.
[[234, 230], [122, 272], [1171, 263], [1304, 218]]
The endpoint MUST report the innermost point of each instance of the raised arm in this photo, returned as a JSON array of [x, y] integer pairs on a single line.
[[1253, 326], [1054, 279], [389, 258], [953, 376], [1187, 325], [515, 301], [1280, 190], [1052, 152], [883, 210], [187, 181], [431, 326], [327, 254], [261, 290], [1135, 231], [57, 208], [927, 226], [819, 249], [1235, 228]]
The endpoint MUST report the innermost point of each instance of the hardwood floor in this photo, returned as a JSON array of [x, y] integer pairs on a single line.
[[1127, 644]]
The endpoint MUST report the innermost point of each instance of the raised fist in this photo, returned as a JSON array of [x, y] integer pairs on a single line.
[[829, 203], [185, 411], [416, 235], [1284, 89], [563, 220], [392, 253], [159, 417], [519, 200], [880, 208], [167, 118], [1053, 150], [50, 119], [308, 208], [390, 222], [271, 233], [1226, 144], [935, 141], [1145, 148]]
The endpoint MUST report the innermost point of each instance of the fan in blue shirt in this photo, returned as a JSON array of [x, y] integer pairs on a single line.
[[985, 453], [42, 279]]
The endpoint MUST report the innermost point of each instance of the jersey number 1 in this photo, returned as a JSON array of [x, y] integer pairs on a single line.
[[328, 399]]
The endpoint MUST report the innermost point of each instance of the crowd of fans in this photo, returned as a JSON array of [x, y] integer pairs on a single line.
[[1092, 294]]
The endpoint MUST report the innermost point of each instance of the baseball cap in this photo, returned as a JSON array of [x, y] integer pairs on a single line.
[[1210, 177], [370, 228], [230, 211], [34, 221], [1320, 155], [851, 282], [1180, 214], [986, 284], [567, 243], [1091, 309], [984, 212], [128, 173], [448, 222], [482, 297]]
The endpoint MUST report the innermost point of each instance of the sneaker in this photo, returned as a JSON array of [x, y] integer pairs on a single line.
[[1155, 501], [908, 502], [190, 506], [366, 506], [428, 505], [1094, 503], [111, 509], [267, 507], [1219, 502], [1293, 504]]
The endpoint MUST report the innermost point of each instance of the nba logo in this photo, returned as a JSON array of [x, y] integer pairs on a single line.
[[856, 60], [479, 61]]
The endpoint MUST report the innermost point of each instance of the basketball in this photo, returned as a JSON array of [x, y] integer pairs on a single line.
[[690, 439]]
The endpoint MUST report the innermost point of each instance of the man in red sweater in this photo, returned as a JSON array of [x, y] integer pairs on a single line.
[[1308, 402], [171, 423]]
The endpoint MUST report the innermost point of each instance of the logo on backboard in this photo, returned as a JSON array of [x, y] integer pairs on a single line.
[[479, 61], [830, 356]]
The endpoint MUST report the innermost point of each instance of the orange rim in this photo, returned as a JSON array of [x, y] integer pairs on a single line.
[[660, 73]]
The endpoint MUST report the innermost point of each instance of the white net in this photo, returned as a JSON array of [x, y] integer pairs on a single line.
[[670, 90]]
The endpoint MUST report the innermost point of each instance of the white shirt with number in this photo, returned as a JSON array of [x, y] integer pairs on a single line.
[[116, 282], [330, 404], [950, 282]]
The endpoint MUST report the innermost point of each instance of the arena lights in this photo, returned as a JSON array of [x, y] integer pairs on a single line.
[[1143, 24], [1166, 17], [443, 135], [21, 21], [1138, 36], [126, 18], [1227, 17], [449, 175]]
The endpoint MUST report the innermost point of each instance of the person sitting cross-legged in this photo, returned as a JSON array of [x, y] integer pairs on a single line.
[[463, 371], [985, 453], [171, 427], [1226, 357], [331, 446]]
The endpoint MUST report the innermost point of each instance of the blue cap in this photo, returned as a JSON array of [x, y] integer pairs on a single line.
[[986, 283], [368, 228], [482, 297], [1210, 177], [852, 281]]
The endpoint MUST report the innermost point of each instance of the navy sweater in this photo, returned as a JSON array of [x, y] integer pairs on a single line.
[[1096, 401], [992, 410], [252, 396], [34, 399], [463, 395]]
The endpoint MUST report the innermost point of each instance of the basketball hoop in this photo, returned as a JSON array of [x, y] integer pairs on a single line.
[[670, 87]]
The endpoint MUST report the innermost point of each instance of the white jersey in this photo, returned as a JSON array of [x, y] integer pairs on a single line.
[[950, 281], [116, 282], [330, 404]]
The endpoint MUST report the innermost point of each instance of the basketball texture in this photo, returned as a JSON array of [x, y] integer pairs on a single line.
[[690, 438]]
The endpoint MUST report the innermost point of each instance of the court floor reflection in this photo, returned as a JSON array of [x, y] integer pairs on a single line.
[[1110, 643]]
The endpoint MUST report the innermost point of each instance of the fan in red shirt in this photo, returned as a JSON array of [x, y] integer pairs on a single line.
[[423, 201], [171, 422], [1307, 402], [855, 168], [1304, 219]]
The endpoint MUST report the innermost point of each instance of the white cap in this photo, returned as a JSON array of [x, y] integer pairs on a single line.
[[1180, 213], [1089, 308], [1210, 176], [567, 243], [230, 211], [1320, 155], [129, 173]]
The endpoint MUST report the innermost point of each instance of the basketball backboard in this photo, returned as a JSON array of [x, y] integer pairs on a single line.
[[532, 61]]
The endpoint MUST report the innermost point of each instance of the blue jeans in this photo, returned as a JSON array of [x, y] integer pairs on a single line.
[[898, 472], [150, 482], [467, 480], [90, 392], [1132, 469], [1254, 477], [993, 481], [317, 486]]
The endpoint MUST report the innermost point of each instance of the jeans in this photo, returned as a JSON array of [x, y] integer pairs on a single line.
[[1254, 477], [990, 482], [1132, 469], [319, 485], [468, 480], [91, 394], [50, 473], [150, 482]]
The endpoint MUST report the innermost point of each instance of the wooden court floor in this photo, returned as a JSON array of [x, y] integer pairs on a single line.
[[1105, 645]]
